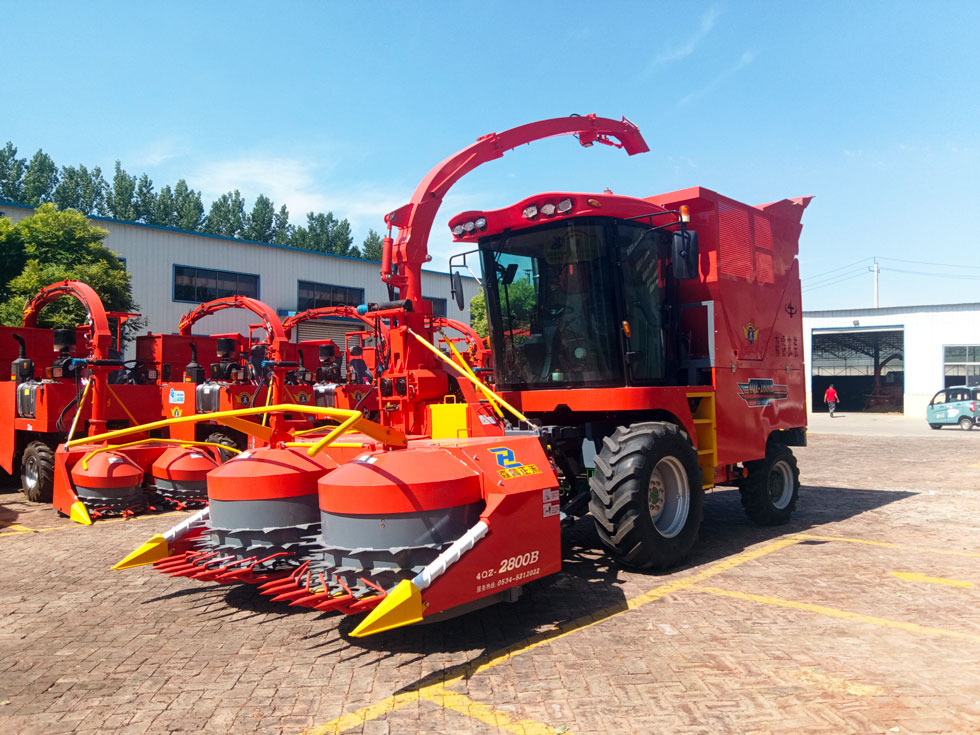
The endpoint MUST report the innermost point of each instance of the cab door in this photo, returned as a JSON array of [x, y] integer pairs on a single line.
[[936, 411]]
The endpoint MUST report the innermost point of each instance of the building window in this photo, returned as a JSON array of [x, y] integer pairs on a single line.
[[438, 306], [961, 365], [312, 295], [205, 284]]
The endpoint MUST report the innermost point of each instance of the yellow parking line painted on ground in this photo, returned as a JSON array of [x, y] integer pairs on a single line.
[[16, 528], [887, 545], [76, 526], [488, 661], [843, 614], [486, 714], [916, 577]]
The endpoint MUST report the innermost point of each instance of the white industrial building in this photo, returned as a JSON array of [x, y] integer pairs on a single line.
[[914, 350], [173, 271]]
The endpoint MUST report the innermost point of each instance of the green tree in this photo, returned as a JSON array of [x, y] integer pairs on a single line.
[[478, 314], [372, 247], [81, 189], [11, 174], [188, 206], [282, 231], [40, 180], [226, 216], [165, 210], [120, 203], [521, 297], [61, 245], [342, 241], [260, 224], [12, 262], [145, 202], [324, 233]]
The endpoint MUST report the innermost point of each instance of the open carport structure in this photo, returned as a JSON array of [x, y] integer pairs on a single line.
[[865, 364]]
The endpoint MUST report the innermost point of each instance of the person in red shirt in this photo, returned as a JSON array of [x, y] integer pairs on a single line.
[[831, 399]]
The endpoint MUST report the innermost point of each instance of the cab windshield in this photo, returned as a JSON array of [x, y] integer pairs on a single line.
[[553, 296]]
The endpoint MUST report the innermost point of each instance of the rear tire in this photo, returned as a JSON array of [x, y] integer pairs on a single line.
[[37, 473], [935, 426], [647, 498], [772, 487], [966, 424], [220, 437]]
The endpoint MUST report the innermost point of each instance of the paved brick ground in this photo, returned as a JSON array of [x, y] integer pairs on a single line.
[[764, 631]]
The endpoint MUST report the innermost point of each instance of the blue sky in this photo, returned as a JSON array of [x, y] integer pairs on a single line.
[[871, 107]]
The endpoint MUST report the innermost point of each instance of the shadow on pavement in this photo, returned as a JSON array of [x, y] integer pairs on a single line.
[[588, 589], [590, 586]]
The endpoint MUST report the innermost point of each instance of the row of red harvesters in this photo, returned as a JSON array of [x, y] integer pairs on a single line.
[[66, 384]]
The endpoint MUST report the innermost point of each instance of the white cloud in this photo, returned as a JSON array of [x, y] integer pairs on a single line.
[[297, 183], [675, 53], [155, 153], [747, 58]]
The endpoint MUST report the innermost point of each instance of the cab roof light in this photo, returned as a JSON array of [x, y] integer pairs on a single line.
[[685, 213], [481, 223], [458, 231], [530, 211], [548, 210], [565, 206], [469, 227]]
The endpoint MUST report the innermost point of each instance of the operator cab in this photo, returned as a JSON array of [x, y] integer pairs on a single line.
[[578, 291]]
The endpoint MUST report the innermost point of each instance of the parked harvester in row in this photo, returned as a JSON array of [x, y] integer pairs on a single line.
[[64, 383], [644, 350]]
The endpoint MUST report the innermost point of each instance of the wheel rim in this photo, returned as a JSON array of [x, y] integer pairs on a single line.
[[669, 497], [780, 484], [30, 473]]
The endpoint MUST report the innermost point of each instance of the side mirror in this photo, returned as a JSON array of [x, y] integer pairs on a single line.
[[456, 289], [684, 254], [508, 274]]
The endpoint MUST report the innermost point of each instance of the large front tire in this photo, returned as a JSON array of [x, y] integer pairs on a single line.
[[37, 473], [647, 498], [772, 487]]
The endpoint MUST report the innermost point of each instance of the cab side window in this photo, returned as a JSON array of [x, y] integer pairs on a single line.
[[940, 398]]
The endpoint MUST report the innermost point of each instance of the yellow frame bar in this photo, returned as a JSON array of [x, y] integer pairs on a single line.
[[78, 409], [175, 442], [491, 396], [384, 434]]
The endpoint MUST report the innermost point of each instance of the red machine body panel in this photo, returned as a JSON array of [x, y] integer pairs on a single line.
[[750, 276], [170, 353]]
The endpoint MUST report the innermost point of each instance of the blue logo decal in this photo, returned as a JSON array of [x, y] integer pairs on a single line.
[[505, 457]]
